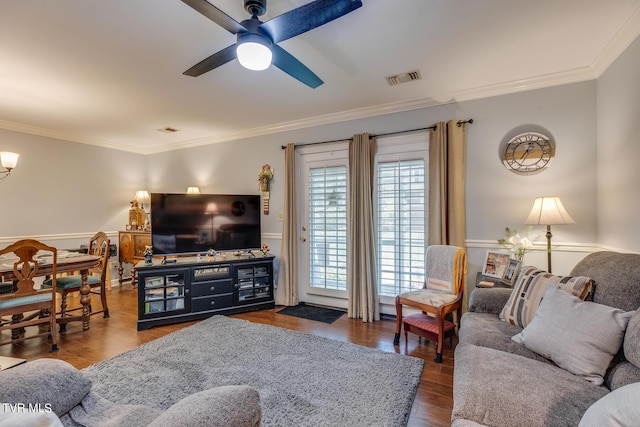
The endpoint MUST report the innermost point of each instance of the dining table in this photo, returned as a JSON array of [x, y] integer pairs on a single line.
[[67, 262]]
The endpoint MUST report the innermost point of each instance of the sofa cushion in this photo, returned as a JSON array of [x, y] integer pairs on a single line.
[[579, 336], [496, 388], [44, 381], [616, 278], [632, 340], [226, 406], [530, 288], [96, 411], [621, 374], [618, 408], [487, 330]]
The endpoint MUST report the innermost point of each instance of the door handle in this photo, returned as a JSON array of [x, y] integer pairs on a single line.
[[304, 239]]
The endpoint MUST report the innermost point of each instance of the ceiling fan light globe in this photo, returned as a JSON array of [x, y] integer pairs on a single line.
[[254, 56]]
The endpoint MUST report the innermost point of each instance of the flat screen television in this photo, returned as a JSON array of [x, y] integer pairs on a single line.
[[195, 223]]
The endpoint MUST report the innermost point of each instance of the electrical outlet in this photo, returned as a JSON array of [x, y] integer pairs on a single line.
[[280, 217]]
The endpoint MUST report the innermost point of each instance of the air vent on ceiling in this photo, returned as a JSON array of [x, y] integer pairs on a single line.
[[168, 130], [403, 78]]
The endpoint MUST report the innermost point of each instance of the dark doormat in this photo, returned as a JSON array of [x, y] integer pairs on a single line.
[[311, 312]]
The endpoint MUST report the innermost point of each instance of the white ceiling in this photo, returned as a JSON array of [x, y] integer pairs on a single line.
[[109, 72]]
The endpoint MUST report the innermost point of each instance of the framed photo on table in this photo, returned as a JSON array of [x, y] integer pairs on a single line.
[[495, 264], [511, 272]]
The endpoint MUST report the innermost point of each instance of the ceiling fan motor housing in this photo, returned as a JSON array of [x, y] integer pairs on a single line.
[[255, 7]]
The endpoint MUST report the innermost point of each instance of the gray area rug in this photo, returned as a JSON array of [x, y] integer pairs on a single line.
[[303, 380]]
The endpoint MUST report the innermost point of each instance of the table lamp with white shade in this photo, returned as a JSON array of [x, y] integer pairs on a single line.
[[548, 211]]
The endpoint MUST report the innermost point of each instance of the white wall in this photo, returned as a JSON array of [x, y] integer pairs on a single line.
[[619, 152], [61, 187]]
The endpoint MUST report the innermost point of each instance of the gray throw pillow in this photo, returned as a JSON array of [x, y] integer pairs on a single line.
[[226, 406], [579, 336], [618, 408], [44, 382]]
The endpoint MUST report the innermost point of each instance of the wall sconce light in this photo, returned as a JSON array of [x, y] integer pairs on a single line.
[[9, 161], [548, 211], [193, 190]]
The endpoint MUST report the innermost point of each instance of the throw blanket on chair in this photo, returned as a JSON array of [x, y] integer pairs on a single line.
[[446, 267]]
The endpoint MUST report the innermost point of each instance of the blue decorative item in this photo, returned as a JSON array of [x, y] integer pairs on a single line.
[[148, 255]]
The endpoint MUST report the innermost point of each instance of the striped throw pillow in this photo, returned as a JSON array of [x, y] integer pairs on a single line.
[[529, 289]]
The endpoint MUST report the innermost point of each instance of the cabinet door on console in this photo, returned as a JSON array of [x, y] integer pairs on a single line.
[[254, 283], [164, 293]]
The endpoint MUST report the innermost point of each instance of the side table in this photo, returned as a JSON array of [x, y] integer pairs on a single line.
[[131, 250]]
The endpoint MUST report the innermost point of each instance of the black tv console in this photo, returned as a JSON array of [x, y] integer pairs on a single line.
[[195, 288]]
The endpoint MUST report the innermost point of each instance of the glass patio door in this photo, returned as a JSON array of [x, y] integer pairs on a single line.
[[323, 205]]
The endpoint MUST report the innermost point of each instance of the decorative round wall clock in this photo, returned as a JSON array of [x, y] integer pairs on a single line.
[[528, 153]]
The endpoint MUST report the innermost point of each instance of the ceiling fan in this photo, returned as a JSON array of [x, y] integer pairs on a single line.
[[257, 42]]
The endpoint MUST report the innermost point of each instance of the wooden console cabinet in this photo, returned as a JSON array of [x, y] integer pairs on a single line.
[[131, 249], [195, 288]]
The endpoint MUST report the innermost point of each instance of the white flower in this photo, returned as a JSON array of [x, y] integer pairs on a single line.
[[517, 244]]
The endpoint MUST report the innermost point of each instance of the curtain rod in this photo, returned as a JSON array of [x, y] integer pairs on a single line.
[[459, 124]]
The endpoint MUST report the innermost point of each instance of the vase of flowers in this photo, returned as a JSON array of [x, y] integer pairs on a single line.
[[517, 245]]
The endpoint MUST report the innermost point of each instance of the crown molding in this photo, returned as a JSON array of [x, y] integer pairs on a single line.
[[537, 82], [50, 133]]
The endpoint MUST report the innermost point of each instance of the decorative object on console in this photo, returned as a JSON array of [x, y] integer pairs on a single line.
[[495, 263], [256, 44], [548, 211], [193, 190], [527, 152], [137, 216], [511, 272], [148, 254], [266, 175], [142, 196], [264, 248], [9, 161]]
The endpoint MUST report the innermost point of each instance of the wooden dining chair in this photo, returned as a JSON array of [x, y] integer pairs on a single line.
[[446, 269], [99, 246], [22, 300]]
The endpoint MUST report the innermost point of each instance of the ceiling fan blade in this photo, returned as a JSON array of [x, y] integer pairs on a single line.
[[214, 61], [296, 69], [216, 15], [307, 17]]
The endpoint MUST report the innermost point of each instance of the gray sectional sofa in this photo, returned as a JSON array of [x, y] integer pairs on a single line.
[[50, 392], [501, 382]]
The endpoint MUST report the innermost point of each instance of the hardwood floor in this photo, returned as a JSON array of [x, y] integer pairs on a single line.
[[109, 337]]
